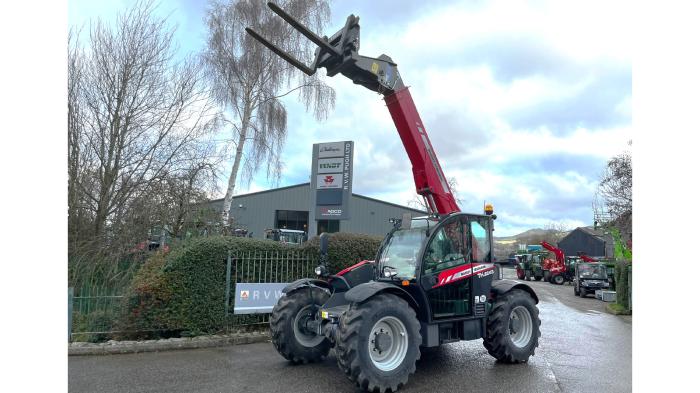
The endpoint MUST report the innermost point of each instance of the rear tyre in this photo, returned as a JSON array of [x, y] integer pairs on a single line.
[[290, 338], [378, 343], [558, 279], [513, 327], [528, 274], [520, 273]]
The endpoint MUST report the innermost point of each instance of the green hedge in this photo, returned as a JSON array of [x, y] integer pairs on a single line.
[[345, 249], [622, 284], [183, 292]]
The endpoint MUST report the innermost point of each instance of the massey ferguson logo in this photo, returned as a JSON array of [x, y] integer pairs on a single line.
[[244, 295], [328, 179]]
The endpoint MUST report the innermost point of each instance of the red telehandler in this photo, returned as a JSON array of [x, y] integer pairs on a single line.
[[558, 272], [433, 279]]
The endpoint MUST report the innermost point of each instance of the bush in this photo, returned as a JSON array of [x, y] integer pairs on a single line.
[[622, 284], [345, 249], [183, 292], [185, 289]]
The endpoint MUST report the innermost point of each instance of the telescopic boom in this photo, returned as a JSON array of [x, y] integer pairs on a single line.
[[339, 54]]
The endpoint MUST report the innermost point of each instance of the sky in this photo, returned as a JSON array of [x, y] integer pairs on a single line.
[[524, 101]]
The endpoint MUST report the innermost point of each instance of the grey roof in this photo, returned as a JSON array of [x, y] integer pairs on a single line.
[[308, 184]]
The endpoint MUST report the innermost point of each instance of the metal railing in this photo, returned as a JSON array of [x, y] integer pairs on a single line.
[[93, 311], [262, 267]]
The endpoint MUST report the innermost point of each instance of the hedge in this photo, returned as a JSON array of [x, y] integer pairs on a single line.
[[345, 249], [622, 284], [183, 292]]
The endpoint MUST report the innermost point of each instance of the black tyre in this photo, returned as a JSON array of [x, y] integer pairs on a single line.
[[290, 338], [576, 291], [582, 292], [378, 343], [558, 279], [538, 278], [513, 327], [528, 274]]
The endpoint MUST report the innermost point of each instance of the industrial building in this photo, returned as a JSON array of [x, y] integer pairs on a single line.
[[594, 243], [288, 208]]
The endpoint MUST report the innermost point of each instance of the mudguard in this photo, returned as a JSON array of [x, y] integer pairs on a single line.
[[307, 282], [500, 287], [365, 291]]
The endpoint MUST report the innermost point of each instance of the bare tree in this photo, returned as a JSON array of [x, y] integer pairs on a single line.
[[419, 203], [615, 186], [139, 108], [249, 80]]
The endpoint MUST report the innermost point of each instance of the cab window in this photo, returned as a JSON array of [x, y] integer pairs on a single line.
[[480, 246], [446, 248]]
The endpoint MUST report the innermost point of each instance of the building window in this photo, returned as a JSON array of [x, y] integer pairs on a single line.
[[329, 226], [292, 219]]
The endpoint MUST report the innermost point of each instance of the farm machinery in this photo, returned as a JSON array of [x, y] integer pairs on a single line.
[[433, 280]]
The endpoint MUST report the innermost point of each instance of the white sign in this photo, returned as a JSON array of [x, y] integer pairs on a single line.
[[330, 165], [253, 298], [334, 149], [333, 180]]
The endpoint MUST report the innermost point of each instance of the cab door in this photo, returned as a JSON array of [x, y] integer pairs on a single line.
[[446, 269]]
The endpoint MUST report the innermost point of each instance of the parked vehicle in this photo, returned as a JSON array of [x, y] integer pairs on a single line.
[[589, 277], [290, 236]]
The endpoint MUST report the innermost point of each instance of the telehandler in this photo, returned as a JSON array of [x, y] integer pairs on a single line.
[[433, 280]]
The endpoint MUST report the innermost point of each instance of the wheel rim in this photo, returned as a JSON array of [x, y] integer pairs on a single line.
[[520, 326], [300, 333], [388, 343], [559, 279]]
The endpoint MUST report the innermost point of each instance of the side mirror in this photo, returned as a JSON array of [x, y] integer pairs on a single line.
[[389, 271], [324, 243]]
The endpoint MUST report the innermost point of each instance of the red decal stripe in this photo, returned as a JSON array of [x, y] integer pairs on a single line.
[[462, 272], [347, 269]]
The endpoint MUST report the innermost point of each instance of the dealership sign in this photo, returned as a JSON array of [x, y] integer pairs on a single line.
[[332, 188], [256, 298], [329, 181]]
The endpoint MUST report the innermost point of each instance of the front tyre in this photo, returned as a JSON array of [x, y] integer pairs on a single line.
[[378, 343], [513, 327], [558, 279], [288, 321]]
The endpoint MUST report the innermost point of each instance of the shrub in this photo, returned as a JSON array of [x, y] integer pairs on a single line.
[[185, 290], [345, 249], [622, 284]]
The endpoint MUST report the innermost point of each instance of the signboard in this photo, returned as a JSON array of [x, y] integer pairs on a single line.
[[331, 185], [330, 165], [257, 298], [333, 180], [334, 149]]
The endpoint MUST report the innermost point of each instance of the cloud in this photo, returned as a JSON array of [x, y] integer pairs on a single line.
[[524, 102]]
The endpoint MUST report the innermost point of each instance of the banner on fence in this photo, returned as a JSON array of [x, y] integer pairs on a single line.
[[256, 298]]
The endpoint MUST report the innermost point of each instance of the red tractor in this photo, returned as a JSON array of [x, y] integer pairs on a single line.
[[433, 280], [557, 270]]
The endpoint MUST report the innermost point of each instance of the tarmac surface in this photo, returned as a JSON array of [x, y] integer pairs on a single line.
[[582, 348]]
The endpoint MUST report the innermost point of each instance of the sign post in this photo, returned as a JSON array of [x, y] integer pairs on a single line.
[[331, 182]]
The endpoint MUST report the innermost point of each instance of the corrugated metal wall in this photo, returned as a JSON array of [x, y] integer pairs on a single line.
[[256, 212], [579, 240]]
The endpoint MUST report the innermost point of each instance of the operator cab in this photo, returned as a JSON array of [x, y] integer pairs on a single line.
[[441, 261]]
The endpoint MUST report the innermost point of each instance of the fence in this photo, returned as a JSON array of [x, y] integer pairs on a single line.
[[93, 312], [262, 267]]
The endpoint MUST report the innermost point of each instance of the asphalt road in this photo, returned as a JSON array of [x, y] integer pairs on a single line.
[[582, 349]]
